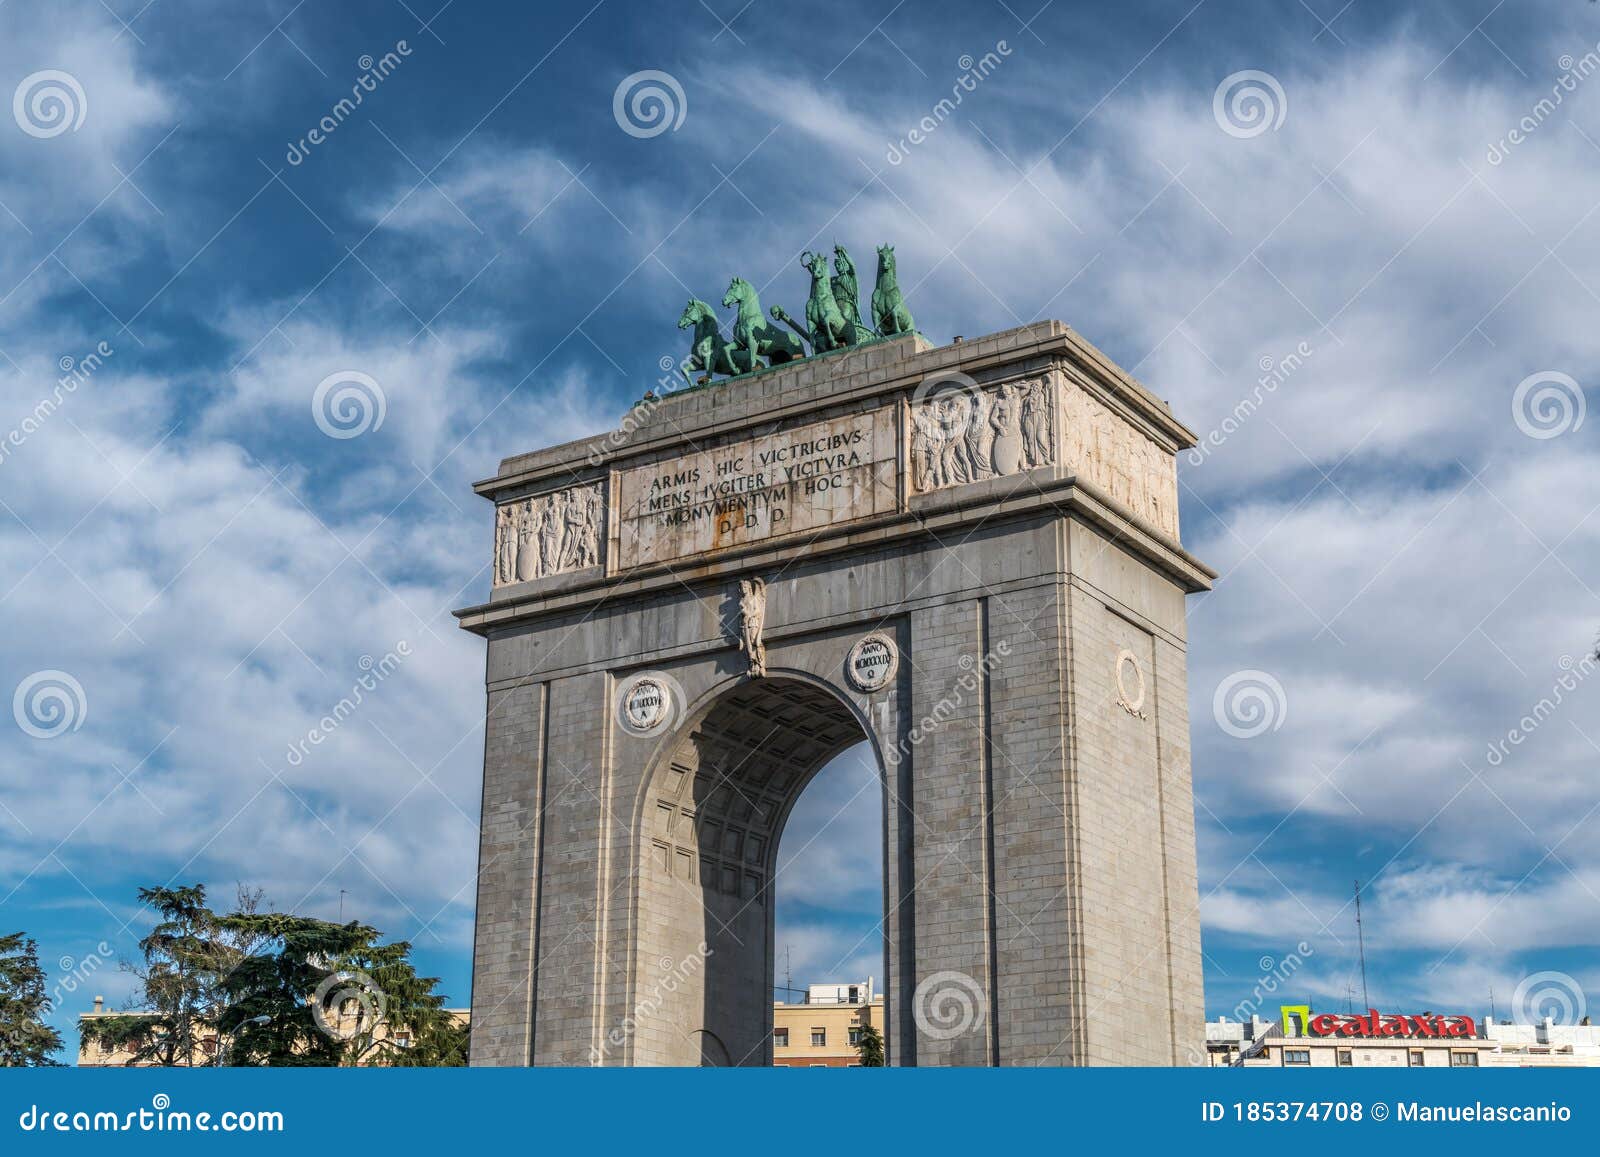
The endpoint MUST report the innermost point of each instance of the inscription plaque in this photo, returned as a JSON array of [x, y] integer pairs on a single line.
[[872, 663], [645, 705], [778, 484]]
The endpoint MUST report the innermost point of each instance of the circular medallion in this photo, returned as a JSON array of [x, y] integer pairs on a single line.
[[1131, 701], [872, 663], [646, 704]]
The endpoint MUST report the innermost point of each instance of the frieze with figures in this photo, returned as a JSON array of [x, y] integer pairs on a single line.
[[1119, 459], [548, 534], [969, 433]]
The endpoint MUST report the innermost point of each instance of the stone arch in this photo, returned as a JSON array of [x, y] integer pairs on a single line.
[[713, 1053], [1038, 819], [712, 811]]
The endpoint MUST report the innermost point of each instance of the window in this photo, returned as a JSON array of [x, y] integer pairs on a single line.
[[819, 1038], [855, 994], [1416, 1059], [1297, 1056], [402, 1039], [780, 1038], [1464, 1060], [855, 1038], [1343, 1059]]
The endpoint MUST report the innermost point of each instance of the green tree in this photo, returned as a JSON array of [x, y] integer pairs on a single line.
[[870, 1046], [188, 957], [320, 993], [25, 1039]]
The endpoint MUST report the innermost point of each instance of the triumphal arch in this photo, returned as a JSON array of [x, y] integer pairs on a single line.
[[965, 555]]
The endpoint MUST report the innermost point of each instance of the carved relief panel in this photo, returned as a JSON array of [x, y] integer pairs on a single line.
[[1105, 450], [962, 432], [548, 534], [970, 433]]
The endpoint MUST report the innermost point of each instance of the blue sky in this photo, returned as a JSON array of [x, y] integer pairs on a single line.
[[1407, 540]]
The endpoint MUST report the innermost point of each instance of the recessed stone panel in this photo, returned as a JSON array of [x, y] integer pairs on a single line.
[[796, 481]]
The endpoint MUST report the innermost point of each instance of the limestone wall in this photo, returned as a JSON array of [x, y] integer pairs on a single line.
[[1040, 896]]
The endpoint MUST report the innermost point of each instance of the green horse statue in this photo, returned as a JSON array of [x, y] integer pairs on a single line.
[[754, 337], [888, 306], [708, 352], [848, 294], [829, 329]]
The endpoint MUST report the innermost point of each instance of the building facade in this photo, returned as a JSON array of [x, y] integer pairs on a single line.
[[1421, 1040], [824, 1030], [384, 1037]]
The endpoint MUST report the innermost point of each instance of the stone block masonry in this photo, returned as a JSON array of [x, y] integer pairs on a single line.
[[1001, 515]]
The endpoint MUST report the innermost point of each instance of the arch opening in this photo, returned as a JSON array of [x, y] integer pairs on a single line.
[[830, 915], [715, 809]]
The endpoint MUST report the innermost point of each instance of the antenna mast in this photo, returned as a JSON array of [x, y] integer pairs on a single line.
[[1362, 945]]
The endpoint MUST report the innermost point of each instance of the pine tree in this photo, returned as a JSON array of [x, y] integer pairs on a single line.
[[273, 988], [871, 1047], [25, 1039], [321, 993], [188, 957]]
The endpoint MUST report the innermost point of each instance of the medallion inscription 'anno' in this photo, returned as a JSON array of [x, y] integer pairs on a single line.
[[872, 662]]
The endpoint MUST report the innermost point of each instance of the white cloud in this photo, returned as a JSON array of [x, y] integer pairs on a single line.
[[217, 596], [51, 183], [486, 181], [832, 850], [830, 877]]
